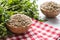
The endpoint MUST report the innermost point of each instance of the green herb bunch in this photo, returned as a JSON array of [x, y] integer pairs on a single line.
[[10, 7], [22, 6], [3, 30]]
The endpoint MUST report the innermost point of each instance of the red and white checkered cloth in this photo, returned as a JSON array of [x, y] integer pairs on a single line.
[[39, 31]]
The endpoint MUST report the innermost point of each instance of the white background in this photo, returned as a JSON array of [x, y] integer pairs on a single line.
[[52, 21]]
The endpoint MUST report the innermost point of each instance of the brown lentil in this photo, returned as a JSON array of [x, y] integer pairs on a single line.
[[19, 20], [50, 6]]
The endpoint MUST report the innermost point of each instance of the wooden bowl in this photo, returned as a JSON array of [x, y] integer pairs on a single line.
[[23, 21], [49, 13], [18, 30]]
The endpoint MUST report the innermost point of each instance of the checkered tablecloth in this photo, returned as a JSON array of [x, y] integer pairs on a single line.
[[39, 31]]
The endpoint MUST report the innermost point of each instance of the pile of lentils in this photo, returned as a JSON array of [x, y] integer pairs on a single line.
[[51, 6], [19, 20]]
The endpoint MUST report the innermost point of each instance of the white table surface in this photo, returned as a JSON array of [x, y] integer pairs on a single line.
[[52, 21]]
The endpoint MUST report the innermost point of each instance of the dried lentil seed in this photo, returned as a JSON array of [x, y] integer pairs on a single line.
[[20, 20], [51, 6]]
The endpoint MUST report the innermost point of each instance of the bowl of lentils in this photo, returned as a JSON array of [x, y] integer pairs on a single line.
[[50, 9], [19, 23]]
